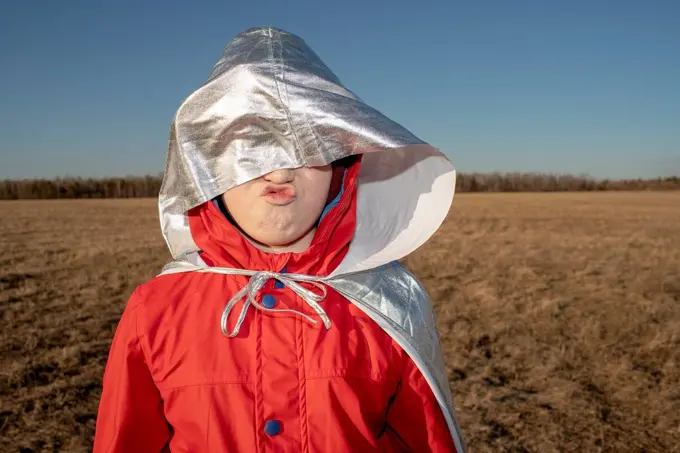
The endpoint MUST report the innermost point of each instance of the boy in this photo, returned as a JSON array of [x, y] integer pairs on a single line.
[[284, 322]]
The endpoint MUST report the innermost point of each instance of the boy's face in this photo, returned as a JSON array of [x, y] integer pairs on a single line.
[[281, 207]]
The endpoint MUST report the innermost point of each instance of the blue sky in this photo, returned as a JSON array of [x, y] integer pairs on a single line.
[[89, 87]]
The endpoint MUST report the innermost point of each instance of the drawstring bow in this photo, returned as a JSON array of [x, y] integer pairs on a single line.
[[257, 281]]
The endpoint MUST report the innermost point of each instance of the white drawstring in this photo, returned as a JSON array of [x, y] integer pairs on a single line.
[[257, 281]]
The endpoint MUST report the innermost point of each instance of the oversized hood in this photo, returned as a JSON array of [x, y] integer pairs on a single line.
[[271, 103]]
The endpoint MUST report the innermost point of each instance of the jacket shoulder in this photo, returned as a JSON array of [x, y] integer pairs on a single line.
[[160, 288]]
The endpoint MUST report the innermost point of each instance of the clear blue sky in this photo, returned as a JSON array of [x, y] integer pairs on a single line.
[[89, 87]]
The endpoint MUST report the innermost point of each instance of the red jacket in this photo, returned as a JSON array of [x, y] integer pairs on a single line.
[[174, 383]]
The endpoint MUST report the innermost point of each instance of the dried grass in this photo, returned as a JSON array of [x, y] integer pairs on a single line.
[[559, 315]]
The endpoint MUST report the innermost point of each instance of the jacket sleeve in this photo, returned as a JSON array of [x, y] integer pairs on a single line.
[[130, 417], [415, 421]]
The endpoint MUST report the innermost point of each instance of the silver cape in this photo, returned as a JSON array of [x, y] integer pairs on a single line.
[[271, 103]]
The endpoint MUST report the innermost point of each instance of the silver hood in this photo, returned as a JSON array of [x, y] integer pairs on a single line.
[[271, 103]]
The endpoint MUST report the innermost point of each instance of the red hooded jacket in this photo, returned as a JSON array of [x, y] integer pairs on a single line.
[[174, 383]]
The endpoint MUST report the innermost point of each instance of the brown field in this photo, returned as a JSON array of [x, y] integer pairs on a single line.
[[559, 314]]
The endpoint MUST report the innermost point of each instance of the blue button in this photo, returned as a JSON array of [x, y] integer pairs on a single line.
[[272, 427], [269, 301]]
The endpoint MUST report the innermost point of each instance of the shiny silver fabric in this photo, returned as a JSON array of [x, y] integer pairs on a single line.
[[396, 301], [270, 103]]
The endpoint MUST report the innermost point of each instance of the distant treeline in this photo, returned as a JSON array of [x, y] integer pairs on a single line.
[[148, 186]]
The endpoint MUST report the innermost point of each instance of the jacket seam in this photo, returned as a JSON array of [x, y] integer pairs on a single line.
[[145, 353], [302, 388], [204, 384], [257, 390], [344, 372], [378, 378]]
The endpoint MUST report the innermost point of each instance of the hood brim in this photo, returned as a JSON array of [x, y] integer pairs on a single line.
[[271, 103]]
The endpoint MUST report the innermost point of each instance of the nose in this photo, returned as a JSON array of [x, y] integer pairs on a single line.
[[283, 176]]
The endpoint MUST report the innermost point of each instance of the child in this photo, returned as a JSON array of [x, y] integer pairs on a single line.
[[284, 322]]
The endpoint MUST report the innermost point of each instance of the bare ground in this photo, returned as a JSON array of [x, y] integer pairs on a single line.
[[559, 314]]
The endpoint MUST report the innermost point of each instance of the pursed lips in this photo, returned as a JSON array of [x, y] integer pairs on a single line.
[[279, 194]]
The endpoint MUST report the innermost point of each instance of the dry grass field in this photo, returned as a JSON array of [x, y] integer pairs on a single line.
[[559, 314]]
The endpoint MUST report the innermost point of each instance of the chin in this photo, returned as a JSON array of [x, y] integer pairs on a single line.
[[276, 240], [280, 238]]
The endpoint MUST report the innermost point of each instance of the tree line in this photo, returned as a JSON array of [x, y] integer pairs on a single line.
[[149, 186]]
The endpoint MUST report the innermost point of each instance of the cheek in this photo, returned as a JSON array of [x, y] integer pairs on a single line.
[[316, 197], [238, 201], [250, 213], [319, 184]]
